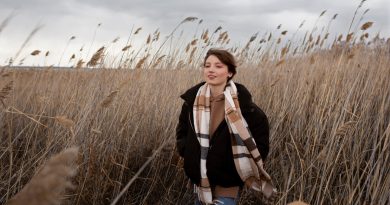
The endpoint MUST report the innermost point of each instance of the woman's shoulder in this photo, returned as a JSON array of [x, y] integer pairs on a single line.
[[190, 94], [244, 96]]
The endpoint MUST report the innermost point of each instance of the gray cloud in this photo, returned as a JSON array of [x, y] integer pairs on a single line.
[[241, 18]]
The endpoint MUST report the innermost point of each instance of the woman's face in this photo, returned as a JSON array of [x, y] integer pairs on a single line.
[[215, 72]]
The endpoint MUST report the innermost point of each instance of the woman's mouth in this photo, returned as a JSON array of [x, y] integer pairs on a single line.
[[211, 77]]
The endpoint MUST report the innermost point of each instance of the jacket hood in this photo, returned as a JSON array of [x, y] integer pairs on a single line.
[[244, 96]]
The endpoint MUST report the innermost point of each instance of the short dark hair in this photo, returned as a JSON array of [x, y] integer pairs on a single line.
[[225, 57]]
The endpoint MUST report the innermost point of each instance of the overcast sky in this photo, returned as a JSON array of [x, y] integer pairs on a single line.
[[241, 18]]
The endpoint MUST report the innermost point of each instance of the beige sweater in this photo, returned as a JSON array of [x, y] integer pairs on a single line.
[[217, 112]]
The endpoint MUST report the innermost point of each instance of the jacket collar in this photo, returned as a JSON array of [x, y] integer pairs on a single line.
[[244, 97]]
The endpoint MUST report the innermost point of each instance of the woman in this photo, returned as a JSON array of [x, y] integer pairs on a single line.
[[222, 135]]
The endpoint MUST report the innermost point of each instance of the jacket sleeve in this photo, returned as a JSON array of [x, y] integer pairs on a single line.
[[181, 129], [259, 128]]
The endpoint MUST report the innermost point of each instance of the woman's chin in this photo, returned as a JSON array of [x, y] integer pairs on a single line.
[[213, 82]]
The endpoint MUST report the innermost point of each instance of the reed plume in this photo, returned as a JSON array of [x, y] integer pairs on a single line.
[[5, 91], [50, 183], [35, 52], [108, 100], [96, 57]]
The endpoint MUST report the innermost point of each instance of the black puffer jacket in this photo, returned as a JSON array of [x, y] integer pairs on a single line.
[[220, 165]]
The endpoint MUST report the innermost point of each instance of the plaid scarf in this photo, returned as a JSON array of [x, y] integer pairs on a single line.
[[247, 159]]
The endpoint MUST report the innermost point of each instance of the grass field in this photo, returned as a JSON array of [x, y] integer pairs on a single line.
[[327, 101]]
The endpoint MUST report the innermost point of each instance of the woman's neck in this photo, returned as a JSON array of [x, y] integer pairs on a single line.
[[217, 89]]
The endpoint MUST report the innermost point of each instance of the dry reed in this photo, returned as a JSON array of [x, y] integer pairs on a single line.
[[48, 185], [327, 105]]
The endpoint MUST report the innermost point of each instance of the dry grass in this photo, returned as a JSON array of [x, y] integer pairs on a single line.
[[329, 125], [328, 106]]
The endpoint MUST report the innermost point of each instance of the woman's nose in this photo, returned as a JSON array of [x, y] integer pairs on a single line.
[[211, 69]]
